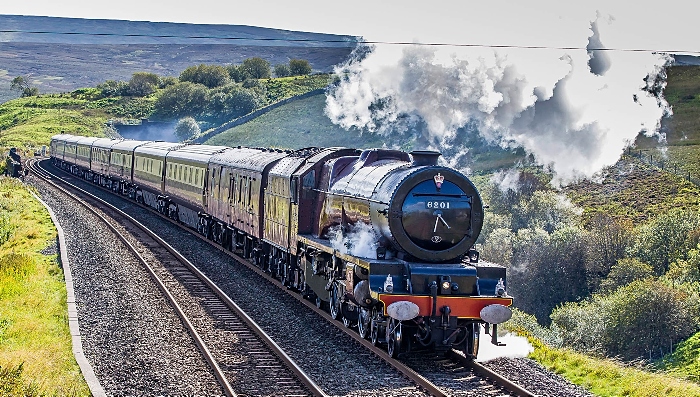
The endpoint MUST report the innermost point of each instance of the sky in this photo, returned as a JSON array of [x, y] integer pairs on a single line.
[[667, 25], [575, 110]]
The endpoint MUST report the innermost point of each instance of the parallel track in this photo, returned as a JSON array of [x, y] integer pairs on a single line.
[[283, 374], [399, 366]]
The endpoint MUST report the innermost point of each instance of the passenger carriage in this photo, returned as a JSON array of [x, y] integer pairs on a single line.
[[185, 180], [147, 175], [121, 165]]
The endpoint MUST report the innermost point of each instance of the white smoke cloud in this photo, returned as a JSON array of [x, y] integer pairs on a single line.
[[506, 180], [574, 110], [360, 240], [515, 347]]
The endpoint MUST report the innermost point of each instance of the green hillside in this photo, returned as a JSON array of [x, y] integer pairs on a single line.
[[681, 153], [296, 125]]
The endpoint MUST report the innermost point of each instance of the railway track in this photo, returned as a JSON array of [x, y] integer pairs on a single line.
[[207, 305], [424, 382]]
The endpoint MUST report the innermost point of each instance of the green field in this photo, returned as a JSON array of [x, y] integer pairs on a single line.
[[296, 125]]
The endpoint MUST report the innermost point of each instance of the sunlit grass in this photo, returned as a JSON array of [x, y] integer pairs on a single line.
[[609, 378], [34, 334]]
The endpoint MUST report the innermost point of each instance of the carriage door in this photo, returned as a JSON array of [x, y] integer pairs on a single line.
[[293, 222]]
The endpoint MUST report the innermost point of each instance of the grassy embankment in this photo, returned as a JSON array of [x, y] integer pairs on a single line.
[[295, 125], [609, 378], [683, 129], [35, 342]]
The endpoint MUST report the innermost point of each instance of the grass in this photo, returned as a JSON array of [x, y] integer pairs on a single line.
[[296, 125], [284, 87], [35, 343], [683, 94], [685, 361], [609, 378], [30, 122]]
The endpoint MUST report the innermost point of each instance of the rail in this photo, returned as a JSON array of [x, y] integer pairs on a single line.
[[264, 337]]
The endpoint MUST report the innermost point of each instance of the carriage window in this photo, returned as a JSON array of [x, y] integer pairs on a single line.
[[250, 191], [240, 189], [293, 189]]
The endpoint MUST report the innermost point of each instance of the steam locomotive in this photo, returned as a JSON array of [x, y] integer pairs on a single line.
[[382, 238]]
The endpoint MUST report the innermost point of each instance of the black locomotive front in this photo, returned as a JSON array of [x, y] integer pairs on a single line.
[[432, 213], [421, 211]]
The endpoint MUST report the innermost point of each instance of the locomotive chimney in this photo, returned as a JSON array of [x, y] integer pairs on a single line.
[[425, 157]]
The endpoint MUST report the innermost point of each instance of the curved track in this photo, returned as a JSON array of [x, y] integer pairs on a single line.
[[282, 375], [404, 369]]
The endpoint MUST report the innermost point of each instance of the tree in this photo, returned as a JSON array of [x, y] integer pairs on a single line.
[[113, 88], [624, 272], [21, 84], [257, 68], [299, 67], [607, 242], [545, 209], [547, 269], [180, 100], [211, 76], [143, 83], [282, 70], [667, 238], [186, 128], [237, 73]]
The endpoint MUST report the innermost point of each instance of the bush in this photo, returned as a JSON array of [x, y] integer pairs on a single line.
[[211, 76], [256, 68], [640, 320], [624, 272], [282, 70], [186, 128], [299, 67], [547, 269], [181, 100], [113, 88], [237, 73], [667, 238], [143, 84]]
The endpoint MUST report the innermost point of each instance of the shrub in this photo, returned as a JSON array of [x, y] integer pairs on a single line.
[[640, 320], [186, 128], [211, 76], [113, 88], [299, 67], [282, 70], [143, 83], [624, 272], [181, 100], [666, 239]]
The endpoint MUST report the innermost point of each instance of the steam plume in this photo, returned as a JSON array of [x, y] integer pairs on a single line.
[[574, 110]]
